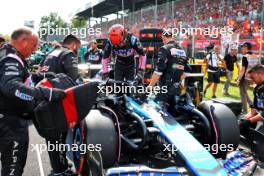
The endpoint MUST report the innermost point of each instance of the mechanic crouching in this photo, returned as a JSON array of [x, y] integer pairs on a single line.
[[17, 98], [123, 45], [254, 119], [170, 69]]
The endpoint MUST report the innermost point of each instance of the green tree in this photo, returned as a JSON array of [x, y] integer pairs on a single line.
[[78, 22], [50, 22]]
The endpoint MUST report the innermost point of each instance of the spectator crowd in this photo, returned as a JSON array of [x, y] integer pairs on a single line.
[[242, 15]]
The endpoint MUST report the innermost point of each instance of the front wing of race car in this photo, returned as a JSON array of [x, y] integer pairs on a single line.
[[143, 171], [237, 163], [198, 160]]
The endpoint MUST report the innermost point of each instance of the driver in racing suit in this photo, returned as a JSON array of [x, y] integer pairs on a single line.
[[123, 45], [170, 69]]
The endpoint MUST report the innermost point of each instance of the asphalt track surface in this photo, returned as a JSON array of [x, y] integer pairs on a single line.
[[38, 163]]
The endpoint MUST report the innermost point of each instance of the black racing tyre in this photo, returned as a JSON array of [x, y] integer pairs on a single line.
[[225, 129], [78, 158], [234, 105], [150, 35], [102, 134]]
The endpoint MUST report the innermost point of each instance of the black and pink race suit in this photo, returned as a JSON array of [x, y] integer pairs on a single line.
[[17, 98], [125, 63]]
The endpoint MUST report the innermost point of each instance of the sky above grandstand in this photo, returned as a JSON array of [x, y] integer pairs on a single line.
[[15, 12]]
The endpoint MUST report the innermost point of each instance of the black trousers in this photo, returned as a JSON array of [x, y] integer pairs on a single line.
[[169, 97], [13, 144], [58, 160], [124, 72]]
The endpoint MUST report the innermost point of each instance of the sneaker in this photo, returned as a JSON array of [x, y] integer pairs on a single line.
[[68, 172]]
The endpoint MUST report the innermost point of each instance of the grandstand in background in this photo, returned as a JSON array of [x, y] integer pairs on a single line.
[[244, 16]]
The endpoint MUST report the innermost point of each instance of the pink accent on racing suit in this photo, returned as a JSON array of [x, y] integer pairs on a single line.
[[105, 62], [142, 62]]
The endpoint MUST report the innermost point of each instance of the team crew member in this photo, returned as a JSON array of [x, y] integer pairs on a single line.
[[248, 61], [17, 99], [212, 67], [93, 55], [230, 60], [254, 119], [123, 45], [63, 59], [170, 69]]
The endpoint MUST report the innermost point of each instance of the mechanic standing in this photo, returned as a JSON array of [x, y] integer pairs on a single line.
[[170, 69], [248, 61], [63, 59], [123, 45], [230, 59], [93, 55], [212, 67], [17, 99]]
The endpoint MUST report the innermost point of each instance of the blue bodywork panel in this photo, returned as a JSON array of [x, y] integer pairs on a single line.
[[198, 159]]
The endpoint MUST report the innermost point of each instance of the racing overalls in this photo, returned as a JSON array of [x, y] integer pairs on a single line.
[[125, 62], [258, 104], [94, 56], [61, 60], [17, 97], [172, 63], [259, 100]]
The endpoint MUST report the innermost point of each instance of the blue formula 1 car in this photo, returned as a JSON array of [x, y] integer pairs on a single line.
[[140, 138]]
